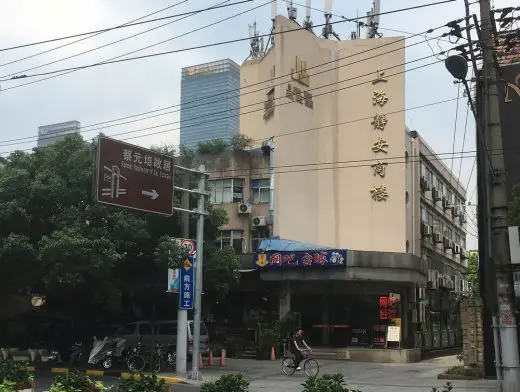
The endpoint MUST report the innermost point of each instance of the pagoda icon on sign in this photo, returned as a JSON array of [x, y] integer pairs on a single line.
[[113, 177]]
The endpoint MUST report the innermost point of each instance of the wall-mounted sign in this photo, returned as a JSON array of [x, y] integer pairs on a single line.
[[198, 70], [515, 87], [322, 258]]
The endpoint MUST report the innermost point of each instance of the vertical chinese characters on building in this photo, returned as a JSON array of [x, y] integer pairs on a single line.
[[379, 192]]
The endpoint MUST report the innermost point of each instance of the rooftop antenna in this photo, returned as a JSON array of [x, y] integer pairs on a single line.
[[291, 11], [307, 23], [327, 29], [373, 20], [254, 40], [357, 34], [274, 11]]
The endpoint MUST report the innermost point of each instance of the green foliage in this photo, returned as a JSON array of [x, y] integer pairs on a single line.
[[7, 386], [143, 383], [84, 256], [221, 271], [241, 142], [446, 388], [15, 372], [75, 381], [214, 146], [169, 254], [473, 273], [227, 383], [187, 155], [326, 383], [514, 206]]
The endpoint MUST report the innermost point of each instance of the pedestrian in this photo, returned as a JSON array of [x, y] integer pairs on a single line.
[[298, 345]]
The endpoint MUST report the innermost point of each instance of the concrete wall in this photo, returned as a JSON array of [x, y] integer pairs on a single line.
[[324, 155], [473, 337]]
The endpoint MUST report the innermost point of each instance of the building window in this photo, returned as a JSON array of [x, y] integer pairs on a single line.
[[233, 238], [260, 191], [229, 190], [257, 236]]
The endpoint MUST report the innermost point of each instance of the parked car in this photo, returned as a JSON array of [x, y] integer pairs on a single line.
[[163, 332]]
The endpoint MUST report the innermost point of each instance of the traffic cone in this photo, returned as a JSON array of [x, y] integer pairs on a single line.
[[223, 357], [210, 361], [273, 356], [201, 364]]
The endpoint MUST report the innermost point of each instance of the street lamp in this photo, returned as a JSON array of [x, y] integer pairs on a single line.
[[38, 300], [457, 66]]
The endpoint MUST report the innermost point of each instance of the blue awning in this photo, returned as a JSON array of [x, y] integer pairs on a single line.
[[278, 245]]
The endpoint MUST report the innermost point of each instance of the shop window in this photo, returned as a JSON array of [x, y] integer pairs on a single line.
[[260, 192], [233, 238], [230, 190]]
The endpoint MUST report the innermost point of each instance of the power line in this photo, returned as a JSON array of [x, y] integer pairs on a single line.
[[109, 61], [253, 104], [184, 49], [239, 95], [455, 127], [90, 34], [187, 15]]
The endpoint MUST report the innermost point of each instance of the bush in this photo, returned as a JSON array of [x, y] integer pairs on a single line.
[[14, 374], [143, 383], [327, 383], [227, 383], [446, 388], [75, 381]]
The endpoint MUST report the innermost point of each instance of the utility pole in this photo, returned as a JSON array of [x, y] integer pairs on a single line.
[[182, 314], [201, 192], [495, 181]]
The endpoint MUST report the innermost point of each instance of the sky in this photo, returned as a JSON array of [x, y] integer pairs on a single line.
[[105, 93]]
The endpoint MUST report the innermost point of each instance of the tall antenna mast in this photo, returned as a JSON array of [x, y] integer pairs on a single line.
[[373, 20], [274, 11], [327, 29], [254, 40], [291, 11], [307, 23]]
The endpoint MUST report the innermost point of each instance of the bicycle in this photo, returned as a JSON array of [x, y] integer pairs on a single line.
[[310, 365]]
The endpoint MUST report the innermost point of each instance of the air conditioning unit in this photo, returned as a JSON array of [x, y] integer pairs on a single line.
[[456, 249], [445, 203], [415, 316], [243, 208], [463, 254], [259, 221], [455, 211], [458, 283], [446, 242], [435, 279], [436, 196], [465, 285], [422, 293], [422, 312], [426, 230], [425, 185], [437, 238]]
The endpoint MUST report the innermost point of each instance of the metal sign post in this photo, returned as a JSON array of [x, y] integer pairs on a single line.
[[190, 283]]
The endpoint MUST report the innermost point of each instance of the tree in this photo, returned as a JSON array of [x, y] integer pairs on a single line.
[[56, 240], [514, 206], [241, 142], [214, 146], [473, 273]]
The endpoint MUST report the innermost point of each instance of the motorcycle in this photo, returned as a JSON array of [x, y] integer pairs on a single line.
[[108, 351]]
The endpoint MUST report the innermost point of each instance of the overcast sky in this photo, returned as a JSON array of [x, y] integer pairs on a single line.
[[109, 92]]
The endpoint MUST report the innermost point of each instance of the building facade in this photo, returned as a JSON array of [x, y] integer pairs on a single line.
[[384, 212], [48, 134], [210, 91]]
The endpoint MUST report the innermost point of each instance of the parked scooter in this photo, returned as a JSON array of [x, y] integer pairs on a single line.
[[107, 351]]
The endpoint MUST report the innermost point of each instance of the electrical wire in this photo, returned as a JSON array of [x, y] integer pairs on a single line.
[[193, 13], [90, 34], [186, 49], [228, 116], [239, 95], [465, 130], [113, 59], [455, 128]]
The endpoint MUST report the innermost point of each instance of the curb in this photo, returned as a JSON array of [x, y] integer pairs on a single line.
[[100, 373], [457, 377]]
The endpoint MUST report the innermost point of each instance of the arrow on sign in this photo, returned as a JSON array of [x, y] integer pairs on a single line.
[[153, 194]]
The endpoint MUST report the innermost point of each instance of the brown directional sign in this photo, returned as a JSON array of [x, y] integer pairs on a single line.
[[134, 177]]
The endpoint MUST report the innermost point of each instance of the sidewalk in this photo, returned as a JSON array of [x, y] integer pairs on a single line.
[[367, 377]]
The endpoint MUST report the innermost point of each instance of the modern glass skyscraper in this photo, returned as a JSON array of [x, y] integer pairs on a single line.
[[48, 134], [210, 102]]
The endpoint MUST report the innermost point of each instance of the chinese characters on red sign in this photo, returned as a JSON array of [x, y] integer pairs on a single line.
[[387, 308]]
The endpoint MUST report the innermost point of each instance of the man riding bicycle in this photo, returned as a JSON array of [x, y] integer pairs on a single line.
[[298, 345]]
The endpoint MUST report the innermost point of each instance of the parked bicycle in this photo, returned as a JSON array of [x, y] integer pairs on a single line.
[[135, 362], [309, 364]]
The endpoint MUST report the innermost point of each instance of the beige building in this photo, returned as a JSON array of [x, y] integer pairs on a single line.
[[348, 175]]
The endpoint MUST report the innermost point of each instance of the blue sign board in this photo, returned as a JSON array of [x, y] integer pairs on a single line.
[[307, 259], [187, 284]]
